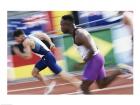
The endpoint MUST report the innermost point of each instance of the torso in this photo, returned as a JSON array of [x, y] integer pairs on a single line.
[[74, 36], [32, 43], [89, 37], [37, 45], [82, 49]]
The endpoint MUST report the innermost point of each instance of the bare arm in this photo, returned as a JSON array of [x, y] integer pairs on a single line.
[[44, 36], [128, 20], [27, 50]]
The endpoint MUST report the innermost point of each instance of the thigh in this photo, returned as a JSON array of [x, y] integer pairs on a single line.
[[42, 64], [91, 69], [52, 64], [55, 68], [102, 73]]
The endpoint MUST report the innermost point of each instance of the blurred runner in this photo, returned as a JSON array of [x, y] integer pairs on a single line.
[[33, 43]]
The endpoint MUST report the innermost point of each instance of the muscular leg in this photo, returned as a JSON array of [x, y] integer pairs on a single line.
[[107, 80], [50, 84], [71, 79], [85, 86], [36, 74], [58, 71], [101, 83]]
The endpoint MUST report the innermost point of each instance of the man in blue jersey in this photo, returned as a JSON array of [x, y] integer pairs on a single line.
[[33, 43]]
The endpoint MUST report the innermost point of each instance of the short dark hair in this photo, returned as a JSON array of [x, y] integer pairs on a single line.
[[68, 17], [18, 32]]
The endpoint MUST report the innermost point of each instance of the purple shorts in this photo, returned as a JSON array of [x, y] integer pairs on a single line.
[[94, 68]]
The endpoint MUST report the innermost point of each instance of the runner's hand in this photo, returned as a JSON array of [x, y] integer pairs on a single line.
[[52, 45]]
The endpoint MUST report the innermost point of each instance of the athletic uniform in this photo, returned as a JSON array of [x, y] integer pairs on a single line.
[[48, 59], [94, 68]]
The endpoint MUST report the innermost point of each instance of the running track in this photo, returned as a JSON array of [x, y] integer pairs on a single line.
[[122, 85]]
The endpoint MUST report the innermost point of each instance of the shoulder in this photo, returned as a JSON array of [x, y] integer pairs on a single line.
[[40, 35], [26, 42], [81, 33]]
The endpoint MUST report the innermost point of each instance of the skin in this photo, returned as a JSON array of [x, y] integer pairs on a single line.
[[29, 44], [128, 20], [82, 37]]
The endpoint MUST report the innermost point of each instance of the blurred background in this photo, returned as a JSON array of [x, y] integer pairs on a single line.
[[110, 33]]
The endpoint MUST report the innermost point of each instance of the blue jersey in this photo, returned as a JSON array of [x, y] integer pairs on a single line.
[[40, 47], [48, 59]]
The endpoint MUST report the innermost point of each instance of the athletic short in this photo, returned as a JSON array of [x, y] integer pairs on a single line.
[[94, 68], [48, 60]]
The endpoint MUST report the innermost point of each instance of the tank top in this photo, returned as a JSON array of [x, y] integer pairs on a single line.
[[40, 47]]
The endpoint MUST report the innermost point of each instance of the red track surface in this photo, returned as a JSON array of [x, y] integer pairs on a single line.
[[122, 85]]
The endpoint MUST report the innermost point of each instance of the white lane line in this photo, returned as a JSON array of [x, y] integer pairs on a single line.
[[17, 90], [127, 76], [39, 87], [98, 90], [131, 77]]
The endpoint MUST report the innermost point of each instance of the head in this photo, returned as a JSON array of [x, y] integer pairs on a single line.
[[19, 36], [67, 23]]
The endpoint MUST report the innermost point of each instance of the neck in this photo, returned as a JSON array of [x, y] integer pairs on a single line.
[[72, 29]]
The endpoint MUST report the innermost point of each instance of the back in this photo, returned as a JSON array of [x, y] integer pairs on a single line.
[[40, 47]]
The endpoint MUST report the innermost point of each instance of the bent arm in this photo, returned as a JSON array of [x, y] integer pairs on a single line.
[[44, 36], [27, 51]]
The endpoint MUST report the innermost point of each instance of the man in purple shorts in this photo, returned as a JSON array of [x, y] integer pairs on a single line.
[[94, 62]]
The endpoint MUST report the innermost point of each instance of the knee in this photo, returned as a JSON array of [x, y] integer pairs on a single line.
[[34, 73], [83, 87], [86, 85]]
